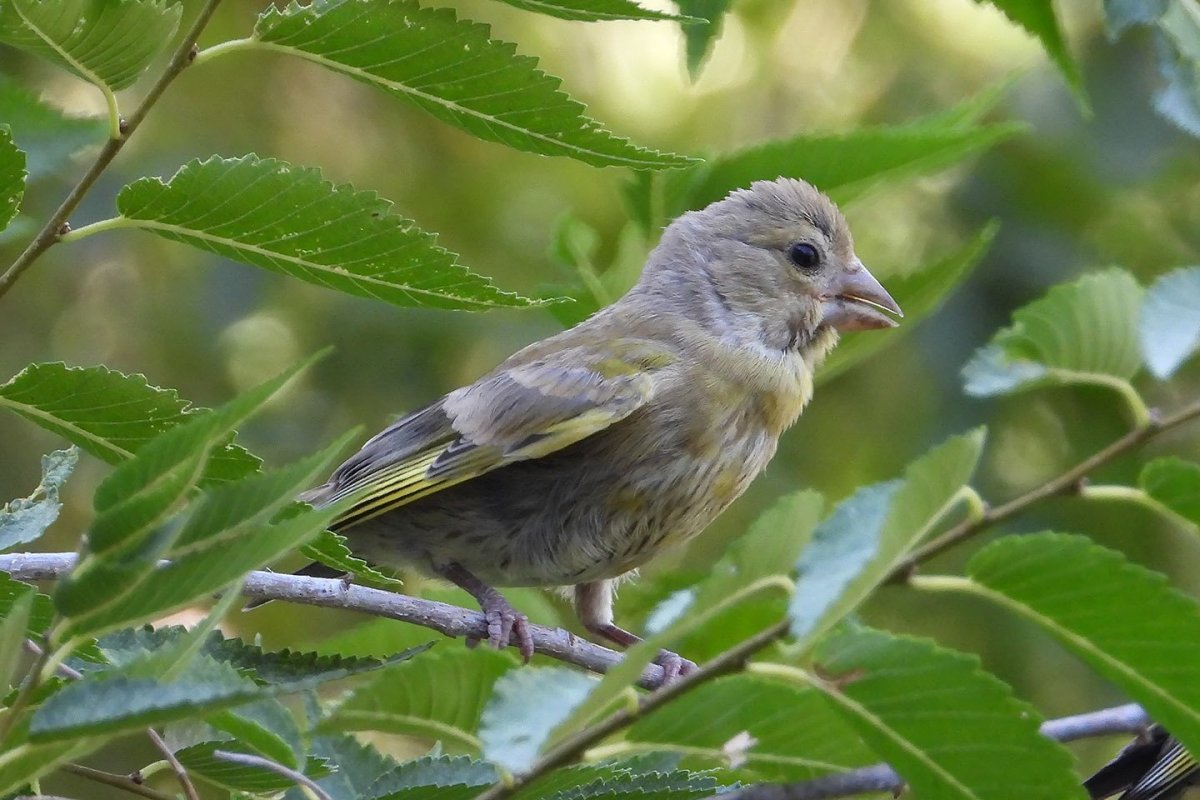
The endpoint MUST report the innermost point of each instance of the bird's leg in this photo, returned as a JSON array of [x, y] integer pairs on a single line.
[[504, 621], [593, 605]]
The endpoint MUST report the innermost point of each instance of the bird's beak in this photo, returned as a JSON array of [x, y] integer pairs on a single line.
[[856, 302]]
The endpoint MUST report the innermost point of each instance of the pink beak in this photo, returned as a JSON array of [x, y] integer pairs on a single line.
[[857, 302]]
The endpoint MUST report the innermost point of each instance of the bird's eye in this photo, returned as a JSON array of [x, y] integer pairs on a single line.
[[804, 255]]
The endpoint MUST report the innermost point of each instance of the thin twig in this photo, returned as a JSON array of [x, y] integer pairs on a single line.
[[295, 776], [572, 748], [54, 226], [185, 780], [333, 593], [1065, 482], [125, 782], [1127, 719]]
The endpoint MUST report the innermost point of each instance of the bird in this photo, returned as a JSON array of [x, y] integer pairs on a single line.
[[583, 455], [1154, 766]]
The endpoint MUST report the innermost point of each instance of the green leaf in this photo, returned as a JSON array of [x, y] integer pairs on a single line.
[[846, 165], [1080, 332], [106, 42], [108, 414], [24, 763], [595, 10], [1124, 621], [703, 722], [330, 549], [291, 220], [48, 138], [13, 624], [358, 767], [949, 728], [112, 704], [195, 574], [867, 535], [266, 728], [441, 777], [699, 38], [12, 176], [525, 708], [612, 780], [1169, 322], [273, 666], [14, 592], [25, 519], [461, 76], [1038, 18], [126, 539], [1175, 483], [440, 697], [920, 294]]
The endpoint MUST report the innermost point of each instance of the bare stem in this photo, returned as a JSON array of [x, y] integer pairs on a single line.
[[125, 782], [57, 224]]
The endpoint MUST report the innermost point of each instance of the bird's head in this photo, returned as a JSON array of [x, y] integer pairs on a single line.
[[779, 263]]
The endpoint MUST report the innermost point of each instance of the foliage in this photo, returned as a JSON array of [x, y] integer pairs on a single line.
[[185, 512]]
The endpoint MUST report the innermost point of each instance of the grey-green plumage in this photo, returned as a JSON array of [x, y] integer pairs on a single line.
[[584, 454]]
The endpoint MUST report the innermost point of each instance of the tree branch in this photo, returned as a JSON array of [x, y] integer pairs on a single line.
[[1128, 719], [450, 620], [1062, 483], [54, 226]]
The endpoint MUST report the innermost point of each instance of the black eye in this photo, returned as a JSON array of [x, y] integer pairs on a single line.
[[804, 255]]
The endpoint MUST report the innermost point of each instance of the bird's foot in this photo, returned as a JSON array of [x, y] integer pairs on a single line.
[[505, 625], [674, 666]]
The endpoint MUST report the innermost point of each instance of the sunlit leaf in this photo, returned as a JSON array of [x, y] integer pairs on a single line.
[[13, 624], [266, 727], [1038, 18], [452, 69], [949, 728], [437, 776], [440, 698], [1175, 483], [704, 721], [108, 414], [869, 533], [47, 137], [291, 220], [25, 519], [199, 760], [105, 42], [28, 762], [525, 707], [1080, 332], [12, 176], [1125, 621], [359, 766], [1169, 323], [1178, 101], [920, 294]]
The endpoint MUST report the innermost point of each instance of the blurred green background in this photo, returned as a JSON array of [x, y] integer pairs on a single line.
[[1079, 190]]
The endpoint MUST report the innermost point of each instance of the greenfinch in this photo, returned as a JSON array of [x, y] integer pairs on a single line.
[[583, 455], [1154, 766]]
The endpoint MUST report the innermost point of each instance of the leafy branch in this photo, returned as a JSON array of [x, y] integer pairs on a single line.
[[57, 225]]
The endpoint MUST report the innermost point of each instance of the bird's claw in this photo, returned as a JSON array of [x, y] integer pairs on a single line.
[[506, 626], [674, 666]]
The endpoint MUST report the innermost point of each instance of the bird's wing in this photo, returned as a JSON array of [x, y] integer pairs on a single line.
[[1174, 771], [517, 413]]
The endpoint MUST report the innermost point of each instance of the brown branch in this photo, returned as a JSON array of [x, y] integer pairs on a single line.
[[1066, 482], [125, 782], [56, 225], [450, 620]]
